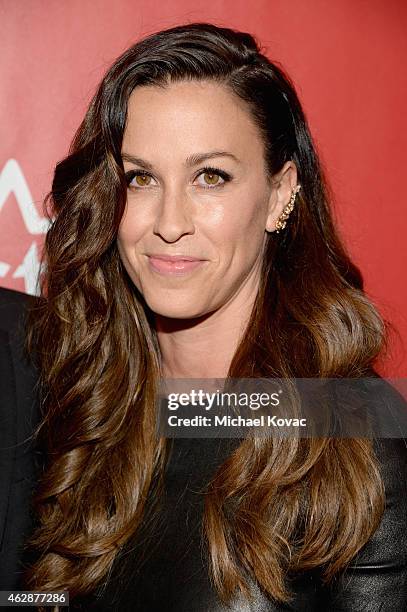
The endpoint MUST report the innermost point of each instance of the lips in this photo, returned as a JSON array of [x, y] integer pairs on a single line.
[[176, 265], [175, 257]]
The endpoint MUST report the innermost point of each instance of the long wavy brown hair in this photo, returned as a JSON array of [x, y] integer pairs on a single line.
[[275, 506]]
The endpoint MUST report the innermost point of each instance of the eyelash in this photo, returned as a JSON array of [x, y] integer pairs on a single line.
[[207, 170]]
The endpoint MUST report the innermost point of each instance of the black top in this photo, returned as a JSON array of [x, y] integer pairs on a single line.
[[164, 568], [18, 414]]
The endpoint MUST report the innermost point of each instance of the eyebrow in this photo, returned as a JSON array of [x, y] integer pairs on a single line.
[[191, 160]]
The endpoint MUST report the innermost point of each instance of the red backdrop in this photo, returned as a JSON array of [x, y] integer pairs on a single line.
[[346, 57]]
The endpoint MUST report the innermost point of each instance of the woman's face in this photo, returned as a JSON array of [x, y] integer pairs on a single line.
[[176, 207]]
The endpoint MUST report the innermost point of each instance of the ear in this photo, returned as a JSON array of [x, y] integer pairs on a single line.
[[282, 185]]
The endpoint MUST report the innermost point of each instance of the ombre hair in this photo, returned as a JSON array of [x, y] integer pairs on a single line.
[[310, 502]]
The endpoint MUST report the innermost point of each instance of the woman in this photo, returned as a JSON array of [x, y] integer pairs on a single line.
[[192, 238]]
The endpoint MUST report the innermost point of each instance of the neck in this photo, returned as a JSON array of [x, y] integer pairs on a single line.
[[203, 347]]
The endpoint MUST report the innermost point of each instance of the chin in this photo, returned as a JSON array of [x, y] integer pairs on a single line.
[[164, 308], [178, 313]]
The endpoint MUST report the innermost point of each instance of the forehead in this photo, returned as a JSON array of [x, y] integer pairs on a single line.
[[190, 115]]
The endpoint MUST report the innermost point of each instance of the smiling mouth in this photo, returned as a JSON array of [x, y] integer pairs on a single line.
[[175, 265]]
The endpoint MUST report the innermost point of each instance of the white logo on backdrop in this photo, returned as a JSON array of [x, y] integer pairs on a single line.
[[12, 180]]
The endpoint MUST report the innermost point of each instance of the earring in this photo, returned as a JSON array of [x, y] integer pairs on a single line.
[[282, 220]]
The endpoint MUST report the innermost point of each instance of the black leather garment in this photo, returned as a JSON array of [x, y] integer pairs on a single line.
[[18, 416], [164, 570]]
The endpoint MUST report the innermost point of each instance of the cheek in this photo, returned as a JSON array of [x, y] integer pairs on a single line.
[[131, 229], [243, 229], [128, 237]]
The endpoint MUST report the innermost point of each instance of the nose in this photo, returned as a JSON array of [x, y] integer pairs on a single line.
[[174, 216]]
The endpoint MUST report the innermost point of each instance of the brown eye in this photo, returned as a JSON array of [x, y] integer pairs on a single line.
[[211, 178], [142, 179]]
